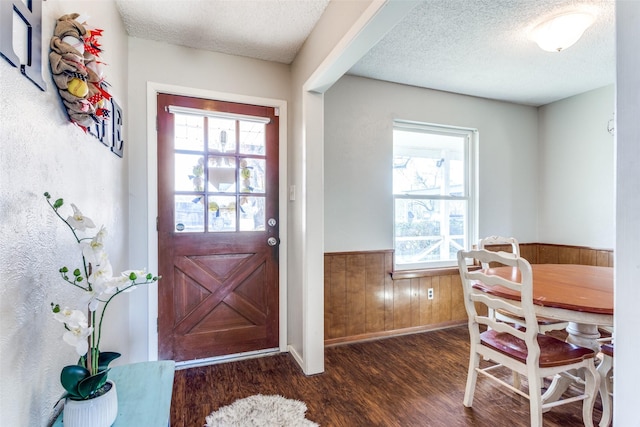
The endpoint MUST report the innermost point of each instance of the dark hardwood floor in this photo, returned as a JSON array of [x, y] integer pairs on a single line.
[[412, 380]]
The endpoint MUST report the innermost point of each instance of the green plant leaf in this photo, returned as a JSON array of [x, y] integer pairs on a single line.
[[105, 358], [58, 203], [70, 378], [90, 385]]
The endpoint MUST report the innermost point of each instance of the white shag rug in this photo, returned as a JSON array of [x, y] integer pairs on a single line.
[[261, 411]]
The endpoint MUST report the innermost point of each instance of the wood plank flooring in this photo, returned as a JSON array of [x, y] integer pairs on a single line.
[[411, 380]]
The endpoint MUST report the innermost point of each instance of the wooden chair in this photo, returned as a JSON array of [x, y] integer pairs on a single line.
[[605, 369], [498, 242], [522, 350]]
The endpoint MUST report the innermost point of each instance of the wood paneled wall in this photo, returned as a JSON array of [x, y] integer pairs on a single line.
[[363, 301], [545, 253]]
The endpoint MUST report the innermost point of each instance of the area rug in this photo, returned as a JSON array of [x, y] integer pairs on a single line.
[[261, 411]]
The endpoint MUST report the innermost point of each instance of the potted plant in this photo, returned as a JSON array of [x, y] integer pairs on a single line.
[[90, 399]]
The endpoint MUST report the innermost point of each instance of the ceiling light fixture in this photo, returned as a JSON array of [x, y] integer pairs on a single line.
[[562, 31]]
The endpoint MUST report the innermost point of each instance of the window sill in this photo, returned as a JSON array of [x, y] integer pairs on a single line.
[[412, 274], [426, 272]]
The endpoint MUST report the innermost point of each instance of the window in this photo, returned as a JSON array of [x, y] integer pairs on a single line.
[[220, 164], [434, 194]]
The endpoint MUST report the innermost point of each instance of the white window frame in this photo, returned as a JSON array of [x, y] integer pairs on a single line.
[[471, 186]]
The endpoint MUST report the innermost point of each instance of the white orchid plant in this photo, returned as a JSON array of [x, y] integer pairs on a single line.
[[86, 379]]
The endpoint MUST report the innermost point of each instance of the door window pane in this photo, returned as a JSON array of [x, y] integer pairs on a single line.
[[252, 138], [222, 174], [252, 175], [222, 135], [189, 172], [222, 213], [252, 216], [189, 213], [189, 132]]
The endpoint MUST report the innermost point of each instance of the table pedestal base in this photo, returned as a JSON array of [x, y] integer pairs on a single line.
[[579, 334], [583, 335]]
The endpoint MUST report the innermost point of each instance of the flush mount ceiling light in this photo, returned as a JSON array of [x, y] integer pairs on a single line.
[[560, 32]]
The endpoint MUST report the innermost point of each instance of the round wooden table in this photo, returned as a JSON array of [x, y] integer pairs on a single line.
[[579, 294]]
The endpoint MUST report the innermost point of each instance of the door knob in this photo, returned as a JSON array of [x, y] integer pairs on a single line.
[[272, 241]]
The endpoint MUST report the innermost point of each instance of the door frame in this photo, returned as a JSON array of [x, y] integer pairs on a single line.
[[153, 89]]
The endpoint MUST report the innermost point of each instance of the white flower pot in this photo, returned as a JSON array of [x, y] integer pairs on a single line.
[[98, 412]]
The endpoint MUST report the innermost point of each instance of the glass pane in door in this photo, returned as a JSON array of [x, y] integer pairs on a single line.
[[252, 217], [222, 213], [252, 175], [189, 213], [222, 135], [189, 172], [189, 132], [222, 174], [252, 138]]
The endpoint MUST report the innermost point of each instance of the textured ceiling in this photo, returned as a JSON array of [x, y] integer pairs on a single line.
[[473, 47], [482, 48], [273, 30]]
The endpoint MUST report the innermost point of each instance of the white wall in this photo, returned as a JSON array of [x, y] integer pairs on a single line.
[[359, 116], [306, 229], [192, 70], [42, 151], [576, 180], [627, 264]]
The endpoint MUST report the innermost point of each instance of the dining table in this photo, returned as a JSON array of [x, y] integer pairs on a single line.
[[579, 294]]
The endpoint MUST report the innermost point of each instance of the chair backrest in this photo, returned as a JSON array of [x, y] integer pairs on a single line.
[[518, 280], [501, 243]]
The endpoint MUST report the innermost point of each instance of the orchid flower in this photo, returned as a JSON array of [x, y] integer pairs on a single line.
[[99, 279], [71, 318], [77, 326], [77, 337], [101, 272], [79, 221], [93, 251]]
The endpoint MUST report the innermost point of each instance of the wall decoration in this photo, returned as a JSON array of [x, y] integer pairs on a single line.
[[76, 71], [29, 14], [78, 75]]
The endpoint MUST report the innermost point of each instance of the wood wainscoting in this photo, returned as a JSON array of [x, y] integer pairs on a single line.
[[362, 300], [365, 299], [545, 253]]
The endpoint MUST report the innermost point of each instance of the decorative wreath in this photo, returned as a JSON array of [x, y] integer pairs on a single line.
[[77, 73]]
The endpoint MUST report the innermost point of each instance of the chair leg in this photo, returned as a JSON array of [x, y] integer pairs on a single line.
[[592, 384], [535, 398], [472, 376], [604, 369], [516, 379]]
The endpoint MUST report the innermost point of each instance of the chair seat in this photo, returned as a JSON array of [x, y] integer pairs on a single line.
[[553, 352], [607, 349], [541, 320]]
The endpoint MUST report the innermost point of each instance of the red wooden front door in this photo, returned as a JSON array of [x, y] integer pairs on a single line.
[[218, 228]]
